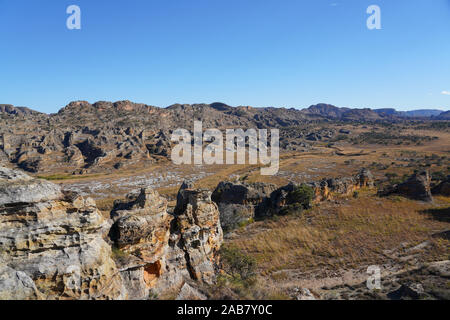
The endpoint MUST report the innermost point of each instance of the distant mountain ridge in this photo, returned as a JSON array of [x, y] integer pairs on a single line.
[[321, 110], [419, 113], [444, 116]]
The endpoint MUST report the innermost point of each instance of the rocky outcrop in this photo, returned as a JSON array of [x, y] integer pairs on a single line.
[[365, 178], [51, 243], [17, 187], [10, 109], [195, 239], [141, 234], [56, 244], [417, 187], [74, 156], [325, 189], [282, 198], [160, 252], [239, 202]]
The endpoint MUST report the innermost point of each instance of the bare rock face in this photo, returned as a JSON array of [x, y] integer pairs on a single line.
[[161, 252], [416, 187], [188, 292], [141, 233], [51, 243], [74, 156], [342, 186], [195, 239], [16, 285], [200, 233], [142, 225]]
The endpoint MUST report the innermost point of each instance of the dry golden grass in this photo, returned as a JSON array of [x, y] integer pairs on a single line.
[[346, 235]]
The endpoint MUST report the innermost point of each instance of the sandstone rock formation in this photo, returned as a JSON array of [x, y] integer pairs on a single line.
[[141, 234], [16, 285], [417, 187], [238, 202], [55, 244], [52, 244], [164, 251], [196, 237]]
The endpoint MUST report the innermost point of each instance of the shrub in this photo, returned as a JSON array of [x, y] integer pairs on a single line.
[[152, 295], [302, 195], [239, 267]]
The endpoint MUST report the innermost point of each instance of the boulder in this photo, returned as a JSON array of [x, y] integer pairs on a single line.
[[343, 186], [408, 291], [188, 292], [239, 202], [304, 294], [74, 156], [417, 187]]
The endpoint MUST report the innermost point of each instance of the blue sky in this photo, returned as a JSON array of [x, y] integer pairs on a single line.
[[283, 53]]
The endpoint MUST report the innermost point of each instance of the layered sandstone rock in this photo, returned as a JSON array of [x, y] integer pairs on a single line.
[[51, 243], [195, 239], [56, 244], [141, 234], [16, 285], [161, 252], [199, 233]]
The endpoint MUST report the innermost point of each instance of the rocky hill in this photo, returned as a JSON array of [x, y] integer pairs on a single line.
[[105, 136], [444, 116]]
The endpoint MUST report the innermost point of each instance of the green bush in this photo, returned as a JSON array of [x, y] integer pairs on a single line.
[[238, 267], [302, 195]]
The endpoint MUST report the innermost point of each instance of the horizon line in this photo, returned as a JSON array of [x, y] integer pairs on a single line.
[[443, 109]]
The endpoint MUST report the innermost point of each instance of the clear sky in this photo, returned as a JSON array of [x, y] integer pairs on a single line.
[[283, 53]]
